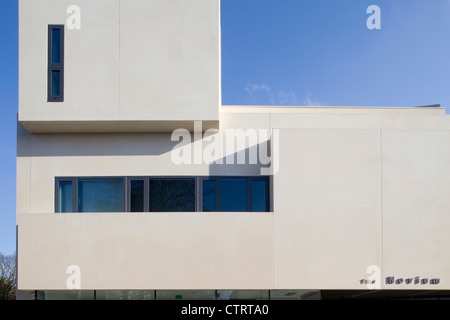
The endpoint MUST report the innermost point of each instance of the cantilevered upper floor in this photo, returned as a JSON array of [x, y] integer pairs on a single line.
[[118, 64]]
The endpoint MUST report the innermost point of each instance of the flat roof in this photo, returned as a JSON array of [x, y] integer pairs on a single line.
[[435, 109]]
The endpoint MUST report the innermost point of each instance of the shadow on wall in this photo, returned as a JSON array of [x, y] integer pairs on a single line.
[[253, 161], [99, 144], [222, 158]]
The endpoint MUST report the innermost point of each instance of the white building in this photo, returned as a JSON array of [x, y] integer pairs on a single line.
[[114, 202]]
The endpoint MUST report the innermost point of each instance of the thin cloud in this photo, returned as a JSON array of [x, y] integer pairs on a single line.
[[280, 98], [251, 88], [287, 98], [308, 101]]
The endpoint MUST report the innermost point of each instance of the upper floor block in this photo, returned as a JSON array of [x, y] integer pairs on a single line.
[[118, 65]]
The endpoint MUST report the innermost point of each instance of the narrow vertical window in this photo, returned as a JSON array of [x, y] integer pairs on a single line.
[[55, 82], [137, 196], [65, 196]]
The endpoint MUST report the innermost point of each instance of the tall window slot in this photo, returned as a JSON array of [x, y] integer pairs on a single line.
[[55, 82]]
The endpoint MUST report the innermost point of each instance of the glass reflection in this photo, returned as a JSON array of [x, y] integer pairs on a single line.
[[56, 45], [56, 83], [65, 196], [100, 195], [137, 196], [172, 195]]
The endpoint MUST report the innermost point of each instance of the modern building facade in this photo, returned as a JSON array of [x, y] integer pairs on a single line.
[[133, 181]]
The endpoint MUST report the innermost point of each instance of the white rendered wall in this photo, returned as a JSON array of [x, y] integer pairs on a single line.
[[352, 190], [131, 60]]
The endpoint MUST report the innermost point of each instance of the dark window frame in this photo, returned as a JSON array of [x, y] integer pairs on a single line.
[[198, 190], [55, 66]]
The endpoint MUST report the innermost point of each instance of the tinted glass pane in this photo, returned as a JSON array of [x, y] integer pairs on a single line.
[[172, 195], [56, 83], [125, 295], [242, 294], [100, 195], [56, 45], [233, 195], [209, 195], [186, 295], [65, 196], [259, 203], [137, 196], [69, 295]]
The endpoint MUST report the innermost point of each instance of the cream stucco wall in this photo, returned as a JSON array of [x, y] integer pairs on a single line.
[[327, 200], [352, 190], [416, 204], [131, 61], [354, 187], [142, 251]]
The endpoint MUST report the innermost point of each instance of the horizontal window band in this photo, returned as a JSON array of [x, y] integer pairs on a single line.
[[163, 194]]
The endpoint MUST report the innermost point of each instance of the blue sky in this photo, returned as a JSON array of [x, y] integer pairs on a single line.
[[288, 52], [320, 52], [8, 123]]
